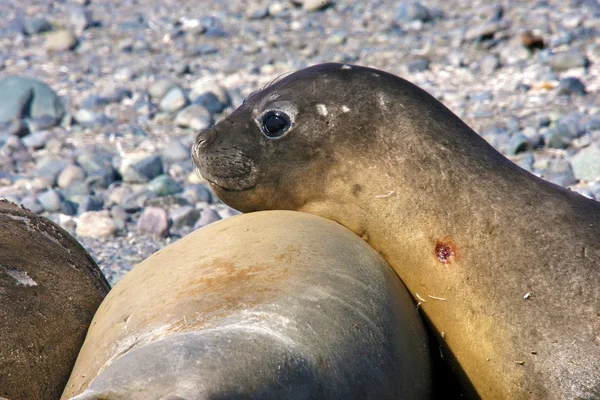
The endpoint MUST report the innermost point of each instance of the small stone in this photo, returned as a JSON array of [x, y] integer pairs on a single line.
[[36, 25], [184, 216], [196, 117], [143, 169], [207, 216], [200, 50], [485, 31], [489, 63], [124, 74], [81, 18], [30, 202], [257, 12], [210, 101], [173, 100], [518, 143], [418, 65], [40, 123], [49, 170], [568, 59], [164, 185], [85, 116], [204, 85], [36, 140], [175, 151], [71, 173], [96, 224], [586, 163], [413, 11], [51, 200], [27, 98], [90, 203], [197, 193], [60, 41], [154, 222], [571, 85], [315, 5], [160, 88], [67, 207], [557, 171]]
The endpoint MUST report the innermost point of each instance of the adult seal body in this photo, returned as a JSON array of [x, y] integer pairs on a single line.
[[506, 266], [271, 305], [50, 289]]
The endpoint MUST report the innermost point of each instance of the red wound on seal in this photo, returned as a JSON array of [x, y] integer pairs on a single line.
[[444, 252]]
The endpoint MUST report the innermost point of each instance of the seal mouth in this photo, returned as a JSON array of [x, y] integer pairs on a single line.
[[226, 168], [227, 184]]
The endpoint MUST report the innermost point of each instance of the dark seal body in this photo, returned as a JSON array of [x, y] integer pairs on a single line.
[[271, 305], [506, 266], [50, 289]]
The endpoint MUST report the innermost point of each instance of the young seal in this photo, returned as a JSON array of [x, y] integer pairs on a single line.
[[271, 305], [505, 266], [50, 289]]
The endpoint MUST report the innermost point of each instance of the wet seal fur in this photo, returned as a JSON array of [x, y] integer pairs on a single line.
[[505, 266], [50, 289], [270, 305]]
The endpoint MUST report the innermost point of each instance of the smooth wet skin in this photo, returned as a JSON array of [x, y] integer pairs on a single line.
[[272, 305], [506, 266]]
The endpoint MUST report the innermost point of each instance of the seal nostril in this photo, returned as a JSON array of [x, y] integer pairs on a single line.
[[204, 138]]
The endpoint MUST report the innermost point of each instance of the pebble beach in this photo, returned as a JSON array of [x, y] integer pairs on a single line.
[[100, 101]]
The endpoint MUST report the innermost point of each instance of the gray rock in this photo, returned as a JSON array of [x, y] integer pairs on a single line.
[[143, 170], [42, 123], [119, 216], [71, 173], [51, 200], [210, 101], [16, 127], [164, 185], [27, 98], [518, 143], [197, 193], [154, 222], [86, 116], [226, 212], [196, 117], [485, 31], [200, 50], [50, 169], [125, 74], [568, 59], [207, 216], [81, 18], [571, 85], [413, 11], [30, 202], [135, 201], [62, 40], [184, 216], [558, 171], [174, 100], [481, 96], [175, 151], [33, 26], [418, 65], [36, 140], [96, 224], [90, 203], [68, 207], [586, 163], [160, 88], [489, 63], [202, 86]]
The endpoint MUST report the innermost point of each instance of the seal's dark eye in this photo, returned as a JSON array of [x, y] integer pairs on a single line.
[[275, 124]]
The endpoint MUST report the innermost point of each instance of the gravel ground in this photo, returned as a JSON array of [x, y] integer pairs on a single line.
[[100, 101]]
